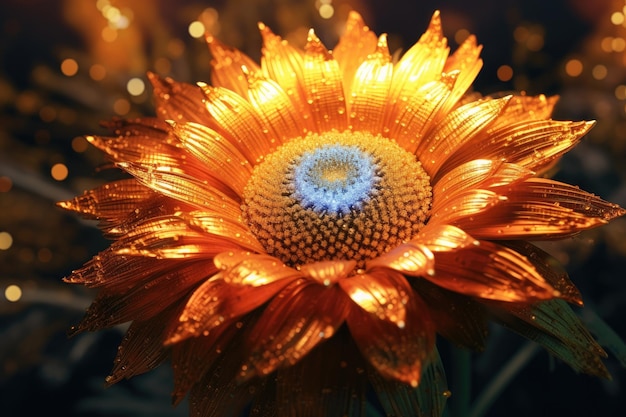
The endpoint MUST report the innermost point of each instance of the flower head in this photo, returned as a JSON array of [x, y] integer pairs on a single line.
[[298, 231]]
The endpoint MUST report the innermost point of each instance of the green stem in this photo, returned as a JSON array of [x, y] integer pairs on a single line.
[[461, 382], [503, 378]]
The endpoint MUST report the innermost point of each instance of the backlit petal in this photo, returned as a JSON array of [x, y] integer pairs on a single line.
[[531, 144], [410, 258], [368, 96], [423, 62], [328, 272], [226, 66], [457, 128], [465, 60], [323, 87], [178, 101], [245, 268], [354, 46], [219, 156]]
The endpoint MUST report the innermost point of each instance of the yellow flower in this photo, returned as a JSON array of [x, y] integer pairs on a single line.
[[297, 232]]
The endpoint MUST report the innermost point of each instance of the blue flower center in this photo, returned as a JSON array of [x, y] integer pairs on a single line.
[[334, 178]]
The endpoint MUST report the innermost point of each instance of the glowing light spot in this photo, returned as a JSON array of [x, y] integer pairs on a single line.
[[617, 18], [79, 144], [121, 106], [5, 184], [69, 67], [13, 293], [505, 73], [59, 172], [326, 11], [620, 92], [6, 240], [109, 34], [599, 72], [461, 35], [136, 86], [196, 29], [97, 72], [520, 34], [535, 42], [618, 44], [606, 44], [574, 67]]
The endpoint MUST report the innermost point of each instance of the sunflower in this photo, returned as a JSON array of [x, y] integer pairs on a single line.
[[294, 235]]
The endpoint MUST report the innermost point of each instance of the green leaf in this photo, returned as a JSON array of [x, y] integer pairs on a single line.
[[605, 335]]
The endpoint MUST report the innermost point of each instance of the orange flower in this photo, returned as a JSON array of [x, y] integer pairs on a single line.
[[297, 232]]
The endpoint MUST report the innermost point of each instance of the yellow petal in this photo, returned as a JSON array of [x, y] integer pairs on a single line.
[[238, 121], [477, 174], [531, 144], [369, 93], [422, 63], [226, 66], [354, 46], [178, 101], [276, 108], [465, 60], [284, 64], [457, 128], [323, 87], [245, 268], [220, 158], [409, 258], [413, 113]]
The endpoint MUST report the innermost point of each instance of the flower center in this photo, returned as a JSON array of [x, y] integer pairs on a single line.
[[334, 196]]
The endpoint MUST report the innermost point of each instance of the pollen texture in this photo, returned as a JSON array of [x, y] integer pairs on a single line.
[[348, 195]]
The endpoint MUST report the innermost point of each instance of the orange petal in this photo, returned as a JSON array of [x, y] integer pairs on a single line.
[[380, 292], [525, 109], [541, 209], [413, 113], [239, 122], [467, 63], [354, 46], [491, 271], [532, 144], [396, 352], [284, 64], [245, 268], [144, 298], [217, 303], [226, 66], [422, 63], [181, 186], [142, 347], [323, 87], [368, 96], [464, 206], [410, 258], [550, 269], [328, 272], [442, 238], [221, 159], [178, 101], [457, 128], [276, 108], [477, 174], [192, 358], [112, 201], [300, 317]]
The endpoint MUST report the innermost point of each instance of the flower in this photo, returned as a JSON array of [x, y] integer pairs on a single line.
[[298, 232]]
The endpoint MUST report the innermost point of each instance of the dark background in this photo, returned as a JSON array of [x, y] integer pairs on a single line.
[[42, 111]]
